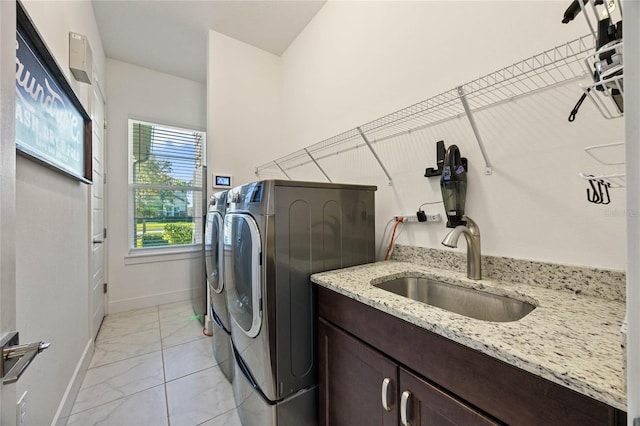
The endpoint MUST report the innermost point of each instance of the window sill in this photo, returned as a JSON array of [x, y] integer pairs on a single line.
[[154, 255]]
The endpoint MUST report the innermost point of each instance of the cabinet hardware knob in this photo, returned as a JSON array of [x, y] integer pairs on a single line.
[[404, 407], [385, 393]]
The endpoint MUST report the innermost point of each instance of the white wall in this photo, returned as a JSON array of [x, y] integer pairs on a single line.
[[7, 193], [632, 112], [357, 61], [243, 107], [53, 239], [140, 93]]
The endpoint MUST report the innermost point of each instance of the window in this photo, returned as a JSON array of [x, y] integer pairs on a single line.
[[165, 185]]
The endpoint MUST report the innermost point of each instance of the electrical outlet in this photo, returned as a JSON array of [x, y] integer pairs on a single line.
[[414, 218], [404, 219], [434, 217], [21, 410]]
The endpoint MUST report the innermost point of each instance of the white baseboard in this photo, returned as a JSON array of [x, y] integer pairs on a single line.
[[124, 305], [73, 388]]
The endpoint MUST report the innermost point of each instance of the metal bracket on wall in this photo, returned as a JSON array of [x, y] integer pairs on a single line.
[[317, 165], [281, 169], [487, 168], [364, 137]]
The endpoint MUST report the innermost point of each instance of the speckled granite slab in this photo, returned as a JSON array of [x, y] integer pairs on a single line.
[[570, 339], [602, 283]]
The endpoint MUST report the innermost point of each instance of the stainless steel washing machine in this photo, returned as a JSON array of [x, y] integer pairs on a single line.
[[278, 233], [214, 264]]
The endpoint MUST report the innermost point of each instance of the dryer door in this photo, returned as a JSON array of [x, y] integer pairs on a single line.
[[242, 250]]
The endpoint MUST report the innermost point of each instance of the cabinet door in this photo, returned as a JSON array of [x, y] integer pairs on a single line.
[[351, 381], [423, 404]]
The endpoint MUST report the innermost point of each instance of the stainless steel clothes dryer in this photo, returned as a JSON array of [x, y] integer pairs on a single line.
[[277, 233], [214, 264]]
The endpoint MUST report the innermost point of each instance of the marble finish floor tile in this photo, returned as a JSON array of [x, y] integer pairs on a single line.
[[188, 358], [125, 346], [230, 418], [182, 330], [119, 379], [178, 324], [129, 322], [143, 408], [207, 394], [174, 311], [143, 312], [151, 365]]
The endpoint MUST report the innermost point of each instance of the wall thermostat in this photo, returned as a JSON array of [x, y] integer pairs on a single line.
[[221, 181]]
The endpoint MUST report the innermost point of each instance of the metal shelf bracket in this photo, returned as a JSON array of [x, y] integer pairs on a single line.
[[487, 164], [366, 141], [282, 170], [317, 165]]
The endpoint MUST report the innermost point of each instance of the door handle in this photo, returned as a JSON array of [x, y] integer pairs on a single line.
[[404, 407], [98, 241], [16, 357], [385, 393]]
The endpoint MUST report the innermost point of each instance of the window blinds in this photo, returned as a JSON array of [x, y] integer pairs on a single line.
[[166, 176]]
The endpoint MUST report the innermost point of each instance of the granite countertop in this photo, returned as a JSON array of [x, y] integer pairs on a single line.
[[569, 339]]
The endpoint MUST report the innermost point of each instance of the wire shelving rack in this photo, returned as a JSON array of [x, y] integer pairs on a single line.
[[556, 66]]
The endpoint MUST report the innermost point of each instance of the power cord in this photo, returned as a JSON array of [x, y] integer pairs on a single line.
[[393, 237]]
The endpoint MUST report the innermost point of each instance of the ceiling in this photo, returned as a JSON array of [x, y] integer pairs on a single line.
[[171, 36]]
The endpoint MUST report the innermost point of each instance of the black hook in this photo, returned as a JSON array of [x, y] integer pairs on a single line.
[[595, 198], [575, 109], [606, 185], [599, 195]]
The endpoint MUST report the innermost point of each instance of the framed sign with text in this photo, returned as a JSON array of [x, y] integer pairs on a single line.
[[52, 127]]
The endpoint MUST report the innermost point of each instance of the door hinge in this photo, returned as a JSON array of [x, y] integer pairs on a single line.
[[104, 180], [104, 233], [104, 288]]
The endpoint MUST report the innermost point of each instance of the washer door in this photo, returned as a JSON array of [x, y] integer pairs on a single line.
[[209, 254], [213, 251], [242, 251]]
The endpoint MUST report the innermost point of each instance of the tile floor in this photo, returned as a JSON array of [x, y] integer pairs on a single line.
[[154, 367]]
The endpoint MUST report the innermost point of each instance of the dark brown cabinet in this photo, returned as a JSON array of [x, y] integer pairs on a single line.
[[352, 375], [441, 382], [361, 386]]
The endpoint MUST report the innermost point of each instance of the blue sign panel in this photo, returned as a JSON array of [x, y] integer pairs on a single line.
[[49, 127]]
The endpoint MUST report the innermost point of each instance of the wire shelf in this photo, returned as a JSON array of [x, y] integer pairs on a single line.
[[610, 154], [615, 180], [555, 66]]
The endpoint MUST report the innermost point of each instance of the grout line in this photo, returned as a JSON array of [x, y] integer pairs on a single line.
[[164, 372], [114, 400], [219, 415]]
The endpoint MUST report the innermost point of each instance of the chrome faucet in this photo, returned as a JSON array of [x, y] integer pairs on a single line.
[[472, 234]]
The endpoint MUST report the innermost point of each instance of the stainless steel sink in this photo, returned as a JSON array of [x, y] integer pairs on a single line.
[[461, 300]]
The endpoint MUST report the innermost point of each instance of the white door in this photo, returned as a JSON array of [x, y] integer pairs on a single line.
[[7, 193], [97, 293]]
